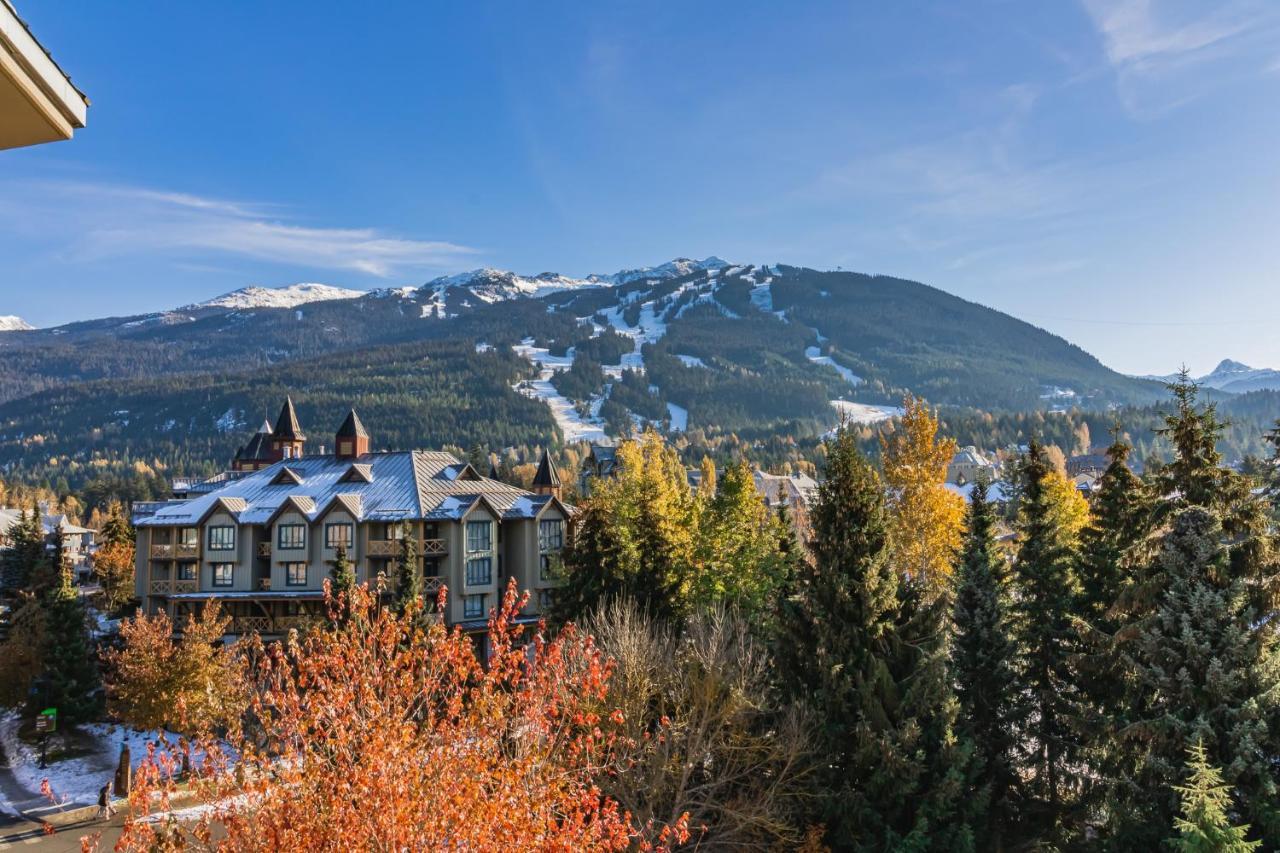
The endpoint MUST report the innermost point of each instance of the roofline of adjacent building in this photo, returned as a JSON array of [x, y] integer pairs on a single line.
[[23, 48]]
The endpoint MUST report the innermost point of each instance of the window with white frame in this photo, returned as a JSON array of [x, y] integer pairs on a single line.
[[479, 536], [222, 538], [291, 537], [224, 574], [295, 574], [550, 535], [188, 536]]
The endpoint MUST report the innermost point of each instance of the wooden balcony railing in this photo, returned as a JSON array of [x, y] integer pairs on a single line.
[[264, 584], [391, 547], [269, 624], [264, 549], [166, 551], [164, 586]]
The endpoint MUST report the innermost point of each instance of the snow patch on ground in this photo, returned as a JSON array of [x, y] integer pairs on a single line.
[[691, 361], [572, 425], [679, 417], [229, 421], [76, 781], [815, 355], [762, 295], [864, 413]]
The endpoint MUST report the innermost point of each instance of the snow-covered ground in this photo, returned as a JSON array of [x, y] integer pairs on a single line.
[[572, 425], [865, 413], [691, 361], [279, 297], [679, 417], [76, 781], [11, 323], [815, 355]]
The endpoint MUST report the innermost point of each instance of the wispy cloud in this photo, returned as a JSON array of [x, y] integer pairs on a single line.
[[1165, 52], [91, 221]]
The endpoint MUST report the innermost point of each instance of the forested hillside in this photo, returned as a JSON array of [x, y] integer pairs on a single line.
[[713, 350]]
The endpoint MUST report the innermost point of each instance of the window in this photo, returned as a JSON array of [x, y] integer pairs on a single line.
[[186, 571], [545, 600], [223, 573], [292, 537], [550, 535], [338, 535], [479, 535], [479, 571], [222, 538], [473, 606], [295, 574], [188, 536], [549, 567]]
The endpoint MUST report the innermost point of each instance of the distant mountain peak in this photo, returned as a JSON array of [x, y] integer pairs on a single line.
[[1228, 366], [671, 269], [288, 296], [13, 323]]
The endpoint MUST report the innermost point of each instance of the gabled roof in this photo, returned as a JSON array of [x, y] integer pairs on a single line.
[[287, 427], [351, 427], [404, 485], [359, 472], [230, 504], [547, 474], [303, 504], [286, 476], [352, 503]]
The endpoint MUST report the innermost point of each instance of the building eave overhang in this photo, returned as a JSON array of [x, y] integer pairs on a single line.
[[38, 99]]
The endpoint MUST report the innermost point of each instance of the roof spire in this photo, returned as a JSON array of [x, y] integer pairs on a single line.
[[547, 480], [287, 424]]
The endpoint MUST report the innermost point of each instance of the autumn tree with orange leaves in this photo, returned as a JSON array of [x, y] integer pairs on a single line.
[[387, 733], [926, 520]]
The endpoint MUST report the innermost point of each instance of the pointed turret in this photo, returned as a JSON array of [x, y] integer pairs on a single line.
[[547, 480], [287, 438], [352, 440], [257, 453]]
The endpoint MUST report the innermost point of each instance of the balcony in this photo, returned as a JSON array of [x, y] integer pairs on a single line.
[[264, 550], [171, 587], [264, 584], [391, 547], [166, 551]]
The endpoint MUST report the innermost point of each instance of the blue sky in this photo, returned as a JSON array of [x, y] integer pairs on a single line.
[[1106, 170]]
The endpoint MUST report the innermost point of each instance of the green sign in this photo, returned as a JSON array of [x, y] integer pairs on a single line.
[[47, 721]]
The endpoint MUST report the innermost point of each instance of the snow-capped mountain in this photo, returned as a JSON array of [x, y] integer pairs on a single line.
[[11, 323], [491, 285], [1234, 377], [671, 269], [279, 297]]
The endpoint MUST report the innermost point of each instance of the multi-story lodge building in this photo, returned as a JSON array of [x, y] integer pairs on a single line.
[[263, 537]]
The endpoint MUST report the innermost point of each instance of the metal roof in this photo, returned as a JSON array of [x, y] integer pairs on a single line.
[[405, 485]]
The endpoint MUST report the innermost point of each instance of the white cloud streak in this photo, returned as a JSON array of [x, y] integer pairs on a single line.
[[1166, 53], [99, 221]]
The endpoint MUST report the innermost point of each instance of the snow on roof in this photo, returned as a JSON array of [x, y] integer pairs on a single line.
[[413, 484]]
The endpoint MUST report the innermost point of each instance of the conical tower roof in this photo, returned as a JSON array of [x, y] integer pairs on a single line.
[[547, 474], [351, 427], [287, 424]]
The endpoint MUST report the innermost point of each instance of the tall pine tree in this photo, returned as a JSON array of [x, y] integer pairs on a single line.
[[408, 589], [868, 656], [1202, 668], [1046, 586], [69, 680], [984, 657]]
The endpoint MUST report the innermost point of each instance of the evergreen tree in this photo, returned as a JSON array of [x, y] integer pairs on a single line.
[[69, 679], [342, 580], [116, 530], [984, 657], [1043, 611], [408, 571], [1202, 668], [22, 561], [1204, 800], [868, 655]]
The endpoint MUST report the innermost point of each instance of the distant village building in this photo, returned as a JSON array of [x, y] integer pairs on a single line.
[[795, 493], [601, 462], [968, 464], [77, 542], [262, 539]]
